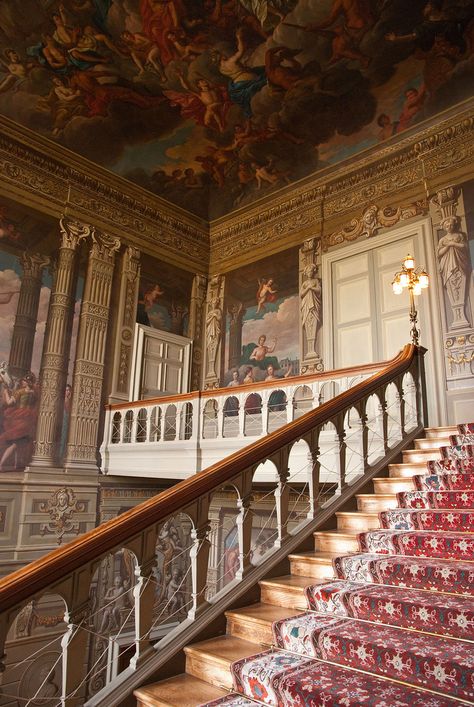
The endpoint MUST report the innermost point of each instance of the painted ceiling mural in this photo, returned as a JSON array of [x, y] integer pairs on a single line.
[[214, 103]]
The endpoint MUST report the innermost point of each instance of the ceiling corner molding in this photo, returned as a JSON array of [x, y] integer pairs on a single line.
[[382, 175], [58, 182]]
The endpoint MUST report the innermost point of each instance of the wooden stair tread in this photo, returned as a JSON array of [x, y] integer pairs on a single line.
[[346, 514], [223, 649], [315, 556], [262, 613], [337, 532], [179, 691], [290, 581]]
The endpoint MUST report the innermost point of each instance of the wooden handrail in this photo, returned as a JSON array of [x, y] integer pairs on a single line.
[[291, 380], [39, 574]]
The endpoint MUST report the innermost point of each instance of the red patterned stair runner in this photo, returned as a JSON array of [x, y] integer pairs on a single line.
[[445, 481], [408, 519], [408, 608], [440, 664], [418, 543], [360, 620]]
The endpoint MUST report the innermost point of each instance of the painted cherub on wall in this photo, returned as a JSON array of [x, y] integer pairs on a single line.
[[266, 293]]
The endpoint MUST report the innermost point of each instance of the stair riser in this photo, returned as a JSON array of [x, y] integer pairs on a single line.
[[443, 432], [405, 470], [357, 522], [280, 597], [304, 568], [430, 443], [393, 485], [419, 455], [203, 667], [258, 632], [331, 543], [376, 505]]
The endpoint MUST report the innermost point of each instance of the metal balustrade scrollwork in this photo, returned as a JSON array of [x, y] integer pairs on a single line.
[[119, 601]]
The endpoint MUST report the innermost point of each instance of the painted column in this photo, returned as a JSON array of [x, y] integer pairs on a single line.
[[214, 321], [24, 329], [57, 343], [236, 312], [126, 313], [196, 329], [90, 354], [310, 306]]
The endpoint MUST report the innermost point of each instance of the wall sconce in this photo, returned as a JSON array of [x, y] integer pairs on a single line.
[[415, 280]]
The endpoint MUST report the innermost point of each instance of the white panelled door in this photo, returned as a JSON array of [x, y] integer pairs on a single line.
[[370, 323], [364, 321], [161, 363]]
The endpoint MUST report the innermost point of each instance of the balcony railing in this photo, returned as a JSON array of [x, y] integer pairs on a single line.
[[176, 436], [102, 613]]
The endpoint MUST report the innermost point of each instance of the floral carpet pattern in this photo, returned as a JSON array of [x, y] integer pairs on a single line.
[[391, 630], [407, 519]]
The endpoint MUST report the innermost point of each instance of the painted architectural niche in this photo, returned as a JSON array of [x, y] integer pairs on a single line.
[[213, 104]]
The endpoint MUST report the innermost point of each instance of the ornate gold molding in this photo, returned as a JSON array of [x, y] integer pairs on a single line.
[[374, 218], [56, 180], [379, 175]]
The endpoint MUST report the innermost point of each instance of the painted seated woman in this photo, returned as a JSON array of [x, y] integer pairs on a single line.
[[19, 423]]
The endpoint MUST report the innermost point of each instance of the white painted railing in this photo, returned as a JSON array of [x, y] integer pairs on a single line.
[[100, 615], [176, 436]]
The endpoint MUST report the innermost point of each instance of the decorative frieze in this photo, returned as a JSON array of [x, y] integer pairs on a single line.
[[372, 219]]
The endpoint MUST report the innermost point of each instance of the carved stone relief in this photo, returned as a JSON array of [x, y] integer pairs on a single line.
[[452, 251], [61, 507], [214, 321]]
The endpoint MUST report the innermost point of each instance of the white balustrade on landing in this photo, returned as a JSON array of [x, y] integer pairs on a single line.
[[177, 436]]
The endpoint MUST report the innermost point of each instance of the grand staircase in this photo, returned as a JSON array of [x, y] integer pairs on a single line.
[[381, 612]]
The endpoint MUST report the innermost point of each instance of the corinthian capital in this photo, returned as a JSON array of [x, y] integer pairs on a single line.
[[104, 246], [33, 263], [446, 201], [73, 232]]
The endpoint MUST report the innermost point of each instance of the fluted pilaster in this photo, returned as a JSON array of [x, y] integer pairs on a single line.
[[57, 344], [90, 353], [24, 329], [125, 326]]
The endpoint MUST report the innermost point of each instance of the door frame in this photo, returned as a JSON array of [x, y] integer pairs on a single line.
[[429, 310], [142, 332]]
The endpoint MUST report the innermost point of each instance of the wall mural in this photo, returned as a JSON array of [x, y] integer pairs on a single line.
[[262, 315], [164, 297], [24, 270], [212, 103]]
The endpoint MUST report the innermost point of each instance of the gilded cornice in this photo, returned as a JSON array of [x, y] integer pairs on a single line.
[[46, 176], [58, 182], [381, 175]]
